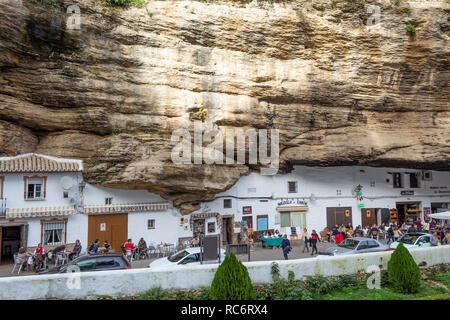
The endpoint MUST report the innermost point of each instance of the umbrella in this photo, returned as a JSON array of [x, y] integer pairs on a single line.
[[440, 215]]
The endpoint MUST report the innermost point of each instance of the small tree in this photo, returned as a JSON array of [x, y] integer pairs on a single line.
[[231, 281], [404, 274]]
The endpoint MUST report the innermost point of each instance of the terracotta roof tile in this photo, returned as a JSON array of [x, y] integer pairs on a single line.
[[39, 163]]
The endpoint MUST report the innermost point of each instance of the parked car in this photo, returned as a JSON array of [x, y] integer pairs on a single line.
[[414, 240], [95, 262], [354, 246], [188, 256]]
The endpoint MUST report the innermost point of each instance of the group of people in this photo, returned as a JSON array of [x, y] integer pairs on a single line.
[[309, 240], [38, 258], [393, 231]]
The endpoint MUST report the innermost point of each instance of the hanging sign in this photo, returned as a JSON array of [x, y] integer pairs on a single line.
[[103, 226]]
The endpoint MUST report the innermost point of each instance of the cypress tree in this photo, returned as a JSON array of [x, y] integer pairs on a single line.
[[231, 281], [404, 273]]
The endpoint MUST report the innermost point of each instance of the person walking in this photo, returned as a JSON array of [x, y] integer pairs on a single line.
[[286, 246], [390, 233], [305, 238], [313, 240]]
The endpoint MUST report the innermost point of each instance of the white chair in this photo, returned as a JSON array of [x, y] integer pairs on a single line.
[[60, 259], [129, 255], [17, 263]]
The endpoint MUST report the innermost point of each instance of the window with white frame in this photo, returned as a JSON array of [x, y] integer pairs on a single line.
[[53, 233], [293, 219], [35, 189]]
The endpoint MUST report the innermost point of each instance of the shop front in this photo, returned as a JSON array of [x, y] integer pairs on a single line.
[[409, 212]]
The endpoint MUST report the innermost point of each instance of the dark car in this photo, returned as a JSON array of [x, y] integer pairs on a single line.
[[95, 262]]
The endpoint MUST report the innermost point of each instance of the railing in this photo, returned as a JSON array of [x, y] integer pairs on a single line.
[[2, 207]]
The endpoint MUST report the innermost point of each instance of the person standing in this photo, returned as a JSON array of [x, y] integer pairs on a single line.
[[286, 246], [419, 225], [313, 240], [397, 233], [426, 226], [305, 238]]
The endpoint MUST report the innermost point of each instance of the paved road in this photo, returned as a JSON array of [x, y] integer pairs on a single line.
[[257, 254]]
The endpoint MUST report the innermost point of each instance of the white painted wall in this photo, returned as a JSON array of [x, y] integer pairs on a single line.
[[135, 281]]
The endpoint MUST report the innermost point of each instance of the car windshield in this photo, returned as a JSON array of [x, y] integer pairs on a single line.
[[349, 244], [178, 256], [409, 239]]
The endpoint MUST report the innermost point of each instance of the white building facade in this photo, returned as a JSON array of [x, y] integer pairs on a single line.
[[39, 196], [317, 197], [44, 200]]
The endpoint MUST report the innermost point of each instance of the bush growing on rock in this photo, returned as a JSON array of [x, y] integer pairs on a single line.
[[404, 274], [231, 281]]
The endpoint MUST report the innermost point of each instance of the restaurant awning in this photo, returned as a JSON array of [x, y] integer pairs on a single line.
[[126, 207], [14, 213], [292, 208]]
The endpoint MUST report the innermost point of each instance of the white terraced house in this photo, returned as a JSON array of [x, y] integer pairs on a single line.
[[44, 200], [317, 197], [39, 197]]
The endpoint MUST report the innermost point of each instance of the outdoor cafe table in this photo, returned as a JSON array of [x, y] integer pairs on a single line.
[[272, 242]]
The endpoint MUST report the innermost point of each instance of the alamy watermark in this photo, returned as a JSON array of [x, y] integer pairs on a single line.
[[192, 151]]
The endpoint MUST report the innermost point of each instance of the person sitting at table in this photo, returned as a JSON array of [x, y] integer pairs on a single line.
[[412, 229], [129, 246], [23, 256], [76, 250], [93, 248], [374, 231], [325, 234], [52, 253], [106, 246], [277, 233]]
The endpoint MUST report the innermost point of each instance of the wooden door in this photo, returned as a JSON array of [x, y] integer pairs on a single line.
[[110, 227], [368, 217], [338, 215]]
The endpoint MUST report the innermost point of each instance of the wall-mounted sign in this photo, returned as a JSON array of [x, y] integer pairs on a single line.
[[103, 226], [181, 220], [368, 213], [360, 205], [292, 201], [407, 192], [347, 213], [211, 227], [247, 210]]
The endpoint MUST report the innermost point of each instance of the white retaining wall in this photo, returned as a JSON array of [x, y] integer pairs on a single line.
[[133, 282]]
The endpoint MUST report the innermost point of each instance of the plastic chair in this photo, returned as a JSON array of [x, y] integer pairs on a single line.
[[60, 258], [17, 263]]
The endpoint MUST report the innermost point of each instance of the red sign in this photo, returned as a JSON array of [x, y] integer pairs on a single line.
[[246, 210]]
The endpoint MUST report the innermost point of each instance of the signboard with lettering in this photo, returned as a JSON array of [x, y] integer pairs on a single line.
[[297, 202], [407, 192], [247, 210]]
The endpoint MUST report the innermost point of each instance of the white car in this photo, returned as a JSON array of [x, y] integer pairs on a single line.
[[188, 256]]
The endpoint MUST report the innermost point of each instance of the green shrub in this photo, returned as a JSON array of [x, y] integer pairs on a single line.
[[404, 274], [318, 285], [231, 281], [410, 29]]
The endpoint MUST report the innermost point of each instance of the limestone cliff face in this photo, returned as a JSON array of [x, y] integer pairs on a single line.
[[112, 92]]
